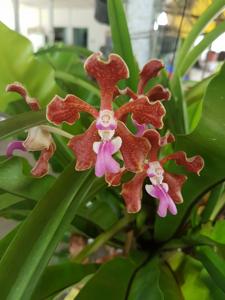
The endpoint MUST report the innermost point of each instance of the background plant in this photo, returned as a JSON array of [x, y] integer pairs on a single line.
[[179, 257]]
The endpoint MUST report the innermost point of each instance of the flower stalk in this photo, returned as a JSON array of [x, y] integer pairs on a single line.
[[103, 238]]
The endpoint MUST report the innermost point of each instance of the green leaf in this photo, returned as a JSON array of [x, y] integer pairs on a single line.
[[40, 233], [121, 39], [6, 240], [21, 122], [17, 63], [207, 140], [193, 55], [110, 281], [63, 48], [7, 200], [168, 284], [195, 282], [213, 264], [104, 213], [14, 181], [58, 277], [145, 284], [78, 81], [213, 199], [196, 92], [215, 232], [212, 11]]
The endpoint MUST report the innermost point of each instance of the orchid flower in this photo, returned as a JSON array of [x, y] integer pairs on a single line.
[[107, 134], [158, 93], [38, 138], [164, 186]]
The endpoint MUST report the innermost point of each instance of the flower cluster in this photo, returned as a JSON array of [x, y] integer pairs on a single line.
[[108, 139]]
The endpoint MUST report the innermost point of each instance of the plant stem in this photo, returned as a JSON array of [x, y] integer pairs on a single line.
[[103, 238], [57, 131]]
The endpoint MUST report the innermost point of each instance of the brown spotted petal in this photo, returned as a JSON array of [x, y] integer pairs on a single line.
[[143, 112], [157, 142], [134, 149], [107, 74], [41, 167], [192, 164], [158, 92], [68, 109], [175, 183], [150, 70], [82, 146], [132, 192], [20, 89], [114, 179]]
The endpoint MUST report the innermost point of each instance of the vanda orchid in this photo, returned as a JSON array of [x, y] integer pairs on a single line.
[[108, 134], [129, 164]]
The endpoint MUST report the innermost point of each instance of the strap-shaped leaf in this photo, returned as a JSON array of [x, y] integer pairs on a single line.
[[121, 39], [214, 264], [14, 181], [58, 277], [20, 123], [145, 284], [40, 233], [110, 281]]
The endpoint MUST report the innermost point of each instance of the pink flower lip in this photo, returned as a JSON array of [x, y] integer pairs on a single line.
[[100, 126], [105, 163], [14, 145], [160, 192]]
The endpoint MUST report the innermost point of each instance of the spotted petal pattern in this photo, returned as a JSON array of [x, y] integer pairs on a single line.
[[67, 109]]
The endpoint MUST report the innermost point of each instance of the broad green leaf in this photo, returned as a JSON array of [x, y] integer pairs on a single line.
[[58, 277], [40, 233], [21, 122], [17, 63], [103, 211], [110, 281], [121, 39], [207, 140], [14, 181], [145, 284], [168, 284], [213, 264], [195, 282], [215, 232]]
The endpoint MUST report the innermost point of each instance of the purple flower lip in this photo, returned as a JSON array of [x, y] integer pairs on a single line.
[[100, 126], [160, 192], [14, 145]]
